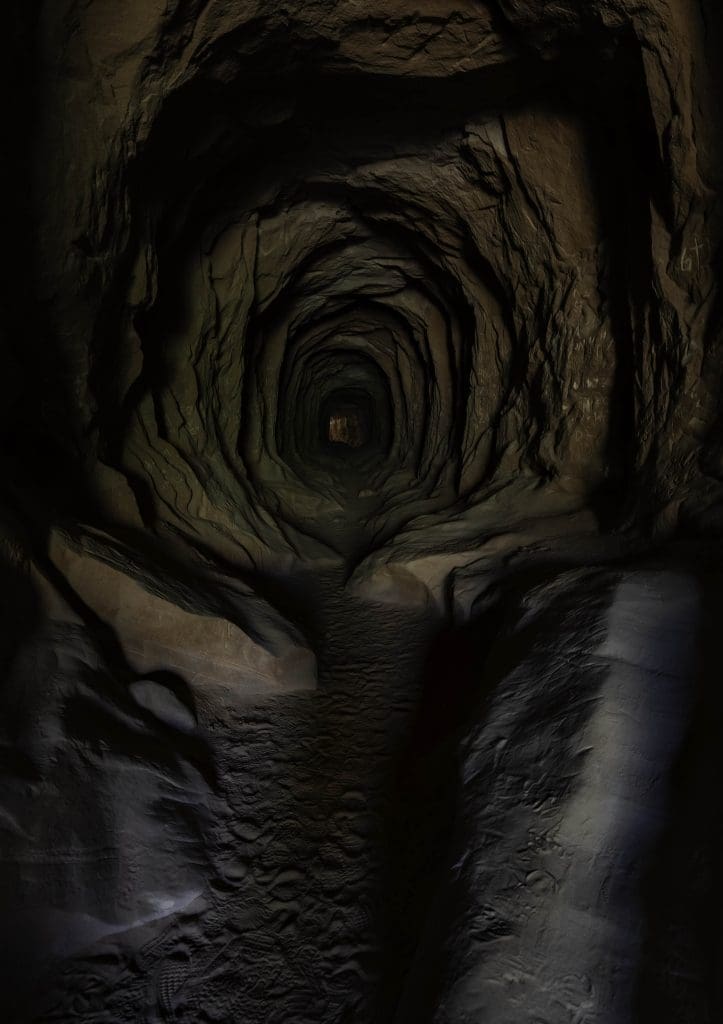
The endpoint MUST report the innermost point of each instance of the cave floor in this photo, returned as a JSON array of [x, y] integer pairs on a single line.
[[334, 837], [321, 853]]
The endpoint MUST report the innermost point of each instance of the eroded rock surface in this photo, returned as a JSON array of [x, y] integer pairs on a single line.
[[360, 529]]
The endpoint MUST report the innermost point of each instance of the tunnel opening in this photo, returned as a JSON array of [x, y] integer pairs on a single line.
[[373, 285], [338, 421], [348, 426], [347, 422]]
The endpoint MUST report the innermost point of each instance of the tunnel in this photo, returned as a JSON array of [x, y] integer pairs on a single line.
[[360, 529]]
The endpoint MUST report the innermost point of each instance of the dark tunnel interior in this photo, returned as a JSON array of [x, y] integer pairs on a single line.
[[362, 513]]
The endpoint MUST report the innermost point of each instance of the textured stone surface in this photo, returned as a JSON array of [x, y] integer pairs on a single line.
[[361, 513]]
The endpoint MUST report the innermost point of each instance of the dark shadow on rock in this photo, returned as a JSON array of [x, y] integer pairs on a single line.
[[681, 972], [423, 808]]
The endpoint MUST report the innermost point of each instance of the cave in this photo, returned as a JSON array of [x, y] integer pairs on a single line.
[[361, 528]]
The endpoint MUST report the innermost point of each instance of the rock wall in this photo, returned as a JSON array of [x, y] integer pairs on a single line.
[[359, 534]]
